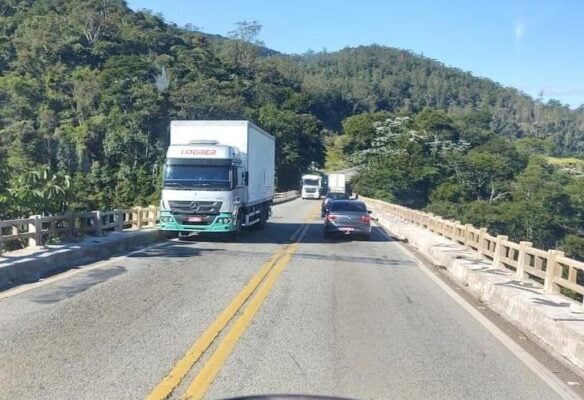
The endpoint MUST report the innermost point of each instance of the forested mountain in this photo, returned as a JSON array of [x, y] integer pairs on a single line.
[[87, 90], [373, 78]]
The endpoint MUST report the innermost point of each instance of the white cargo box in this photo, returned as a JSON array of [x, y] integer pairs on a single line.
[[337, 183], [256, 149]]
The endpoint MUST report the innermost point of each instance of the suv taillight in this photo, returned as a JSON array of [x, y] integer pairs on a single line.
[[366, 218], [331, 217]]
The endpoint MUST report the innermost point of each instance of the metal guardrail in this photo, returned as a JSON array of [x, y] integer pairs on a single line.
[[551, 268], [37, 230]]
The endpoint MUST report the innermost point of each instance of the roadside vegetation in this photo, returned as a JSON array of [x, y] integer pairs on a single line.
[[457, 167], [88, 89]]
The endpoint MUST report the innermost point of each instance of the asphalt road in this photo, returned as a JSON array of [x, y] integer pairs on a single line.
[[348, 318]]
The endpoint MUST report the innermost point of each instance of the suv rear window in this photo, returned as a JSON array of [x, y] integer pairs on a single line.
[[355, 206]]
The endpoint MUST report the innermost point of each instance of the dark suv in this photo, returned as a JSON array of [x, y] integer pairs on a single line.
[[330, 197]]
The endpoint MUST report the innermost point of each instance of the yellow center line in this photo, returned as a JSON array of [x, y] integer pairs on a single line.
[[200, 385], [165, 388], [203, 380], [183, 366]]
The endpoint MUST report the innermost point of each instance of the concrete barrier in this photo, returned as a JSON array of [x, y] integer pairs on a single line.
[[115, 232], [286, 196], [555, 319], [558, 273], [39, 230], [31, 264]]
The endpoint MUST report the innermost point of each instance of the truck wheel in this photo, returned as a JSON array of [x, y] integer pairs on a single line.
[[171, 234], [183, 235], [263, 219]]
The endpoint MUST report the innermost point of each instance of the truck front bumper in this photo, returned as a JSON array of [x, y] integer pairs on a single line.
[[224, 222]]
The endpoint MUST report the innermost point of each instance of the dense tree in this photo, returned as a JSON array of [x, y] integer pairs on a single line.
[[403, 163], [299, 142], [40, 190], [360, 130], [88, 88], [422, 162]]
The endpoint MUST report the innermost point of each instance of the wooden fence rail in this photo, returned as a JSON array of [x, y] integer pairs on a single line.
[[557, 273]]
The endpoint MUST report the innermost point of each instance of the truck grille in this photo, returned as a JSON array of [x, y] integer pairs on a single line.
[[310, 190], [195, 207]]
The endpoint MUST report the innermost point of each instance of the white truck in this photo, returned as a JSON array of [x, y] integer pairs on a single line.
[[218, 177], [311, 186], [337, 183]]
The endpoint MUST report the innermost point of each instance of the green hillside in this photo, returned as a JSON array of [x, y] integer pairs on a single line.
[[374, 78], [87, 90]]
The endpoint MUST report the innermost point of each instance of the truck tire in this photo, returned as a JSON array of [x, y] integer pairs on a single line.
[[171, 235], [183, 235], [263, 219]]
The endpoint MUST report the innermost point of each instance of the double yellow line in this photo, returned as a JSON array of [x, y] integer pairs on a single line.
[[265, 279]]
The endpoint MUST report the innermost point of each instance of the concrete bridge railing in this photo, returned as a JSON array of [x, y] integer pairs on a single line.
[[286, 196], [37, 230], [551, 268]]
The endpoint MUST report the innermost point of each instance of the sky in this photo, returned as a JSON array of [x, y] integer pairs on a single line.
[[536, 46]]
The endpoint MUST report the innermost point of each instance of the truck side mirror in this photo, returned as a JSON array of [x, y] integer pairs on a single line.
[[246, 178]]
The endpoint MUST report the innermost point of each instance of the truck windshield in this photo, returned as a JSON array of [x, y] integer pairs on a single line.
[[186, 176], [310, 182]]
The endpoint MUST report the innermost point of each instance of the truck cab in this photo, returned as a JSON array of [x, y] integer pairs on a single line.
[[202, 185], [311, 186]]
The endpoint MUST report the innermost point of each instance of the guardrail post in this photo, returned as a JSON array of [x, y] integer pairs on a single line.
[[467, 228], [436, 224], [138, 211], [499, 250], [455, 229], [98, 223], [480, 247], [152, 215], [119, 220], [70, 218], [430, 225], [550, 271], [439, 225], [522, 259], [36, 227]]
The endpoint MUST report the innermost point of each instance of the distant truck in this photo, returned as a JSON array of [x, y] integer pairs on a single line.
[[337, 183], [311, 186], [218, 177]]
